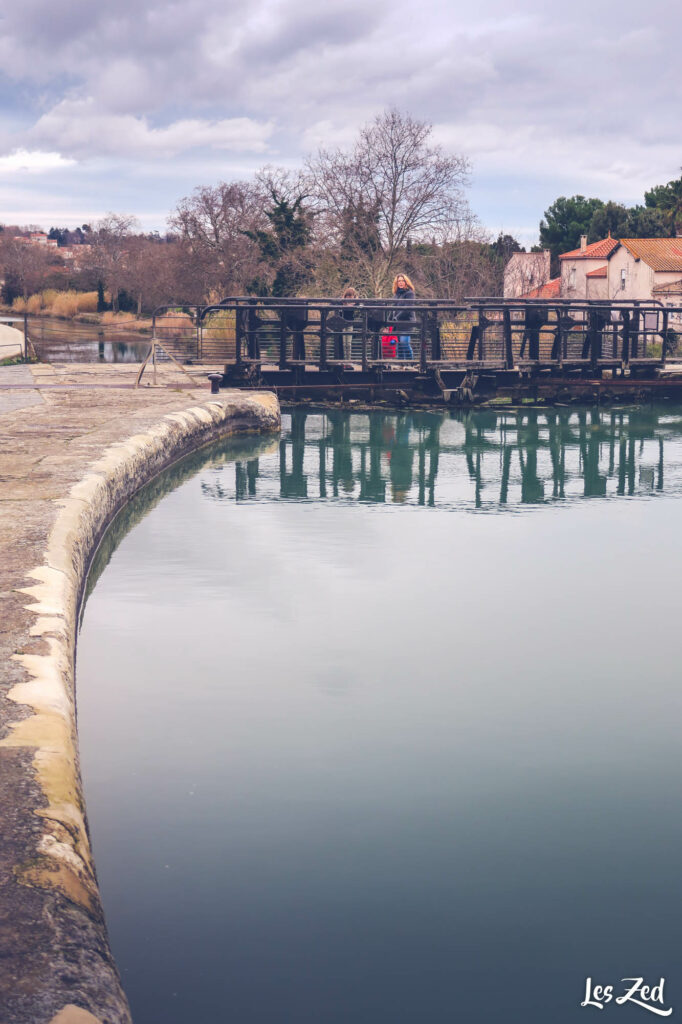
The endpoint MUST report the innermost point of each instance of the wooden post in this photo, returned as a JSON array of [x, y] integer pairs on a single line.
[[323, 339], [238, 335], [422, 348], [634, 339], [364, 340], [282, 341], [436, 350], [625, 354], [593, 338], [507, 334], [482, 324]]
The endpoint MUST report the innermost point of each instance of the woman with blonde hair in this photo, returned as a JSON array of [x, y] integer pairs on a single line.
[[403, 290]]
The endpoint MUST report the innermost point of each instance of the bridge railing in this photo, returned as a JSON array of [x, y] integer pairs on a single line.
[[490, 332], [331, 334]]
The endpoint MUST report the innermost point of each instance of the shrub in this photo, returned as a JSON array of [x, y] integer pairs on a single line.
[[19, 305], [48, 295], [34, 304], [65, 304]]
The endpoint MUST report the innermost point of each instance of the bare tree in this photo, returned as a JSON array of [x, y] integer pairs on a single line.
[[458, 263], [153, 273], [23, 266], [111, 241], [391, 189], [211, 225]]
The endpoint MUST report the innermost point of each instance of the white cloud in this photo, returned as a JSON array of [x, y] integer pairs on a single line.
[[83, 129], [34, 161], [543, 103]]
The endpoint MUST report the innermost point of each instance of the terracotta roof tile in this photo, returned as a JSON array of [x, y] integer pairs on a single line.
[[550, 290], [663, 254], [600, 250], [598, 272], [671, 288]]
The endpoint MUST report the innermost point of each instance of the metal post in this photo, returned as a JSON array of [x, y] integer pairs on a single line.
[[634, 344], [664, 346], [198, 335], [25, 355]]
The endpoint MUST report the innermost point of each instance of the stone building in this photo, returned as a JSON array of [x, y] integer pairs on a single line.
[[525, 272]]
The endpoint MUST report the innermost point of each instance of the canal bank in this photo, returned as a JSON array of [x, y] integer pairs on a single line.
[[76, 445]]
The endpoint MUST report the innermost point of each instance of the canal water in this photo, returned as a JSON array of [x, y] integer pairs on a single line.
[[380, 721], [66, 341]]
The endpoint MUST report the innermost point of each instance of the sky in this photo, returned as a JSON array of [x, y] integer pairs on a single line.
[[128, 107]]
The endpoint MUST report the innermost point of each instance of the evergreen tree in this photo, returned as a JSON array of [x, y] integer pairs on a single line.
[[565, 221], [611, 218], [667, 199], [283, 246]]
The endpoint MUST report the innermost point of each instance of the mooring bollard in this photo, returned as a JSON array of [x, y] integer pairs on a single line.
[[215, 379]]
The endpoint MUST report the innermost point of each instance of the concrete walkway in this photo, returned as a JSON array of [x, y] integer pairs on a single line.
[[75, 443]]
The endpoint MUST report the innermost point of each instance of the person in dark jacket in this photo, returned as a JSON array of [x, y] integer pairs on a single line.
[[403, 290]]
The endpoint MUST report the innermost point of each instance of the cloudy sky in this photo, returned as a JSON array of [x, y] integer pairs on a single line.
[[128, 107]]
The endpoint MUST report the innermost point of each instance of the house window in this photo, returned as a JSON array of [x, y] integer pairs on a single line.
[[571, 278], [623, 275]]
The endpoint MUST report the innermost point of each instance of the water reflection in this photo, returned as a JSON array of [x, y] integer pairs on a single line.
[[484, 460]]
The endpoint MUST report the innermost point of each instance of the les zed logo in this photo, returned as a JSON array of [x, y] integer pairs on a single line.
[[638, 993]]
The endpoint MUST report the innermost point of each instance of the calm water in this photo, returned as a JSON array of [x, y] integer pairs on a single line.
[[380, 722], [57, 341]]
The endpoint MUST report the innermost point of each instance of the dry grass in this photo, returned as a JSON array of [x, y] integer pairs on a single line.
[[57, 303], [65, 304], [455, 334], [174, 325], [87, 302], [218, 334]]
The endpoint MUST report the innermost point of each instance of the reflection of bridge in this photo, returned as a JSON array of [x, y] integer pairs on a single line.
[[459, 352], [481, 459]]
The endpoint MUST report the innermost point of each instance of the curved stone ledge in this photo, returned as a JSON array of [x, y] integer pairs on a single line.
[[55, 963]]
